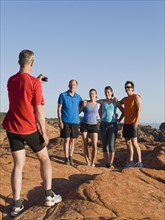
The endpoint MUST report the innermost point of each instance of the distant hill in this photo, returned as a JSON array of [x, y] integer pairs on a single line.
[[153, 125]]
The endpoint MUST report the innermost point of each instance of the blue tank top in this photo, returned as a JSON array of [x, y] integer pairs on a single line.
[[108, 112], [90, 114]]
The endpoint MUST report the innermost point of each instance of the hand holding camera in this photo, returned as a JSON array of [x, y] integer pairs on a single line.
[[42, 78]]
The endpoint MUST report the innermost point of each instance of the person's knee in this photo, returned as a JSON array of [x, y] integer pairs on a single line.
[[44, 158], [112, 149], [135, 143], [136, 146], [129, 143], [19, 165], [72, 140]]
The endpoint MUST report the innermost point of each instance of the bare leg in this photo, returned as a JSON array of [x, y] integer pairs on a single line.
[[85, 142], [111, 157], [71, 146], [135, 144], [16, 175], [94, 138], [45, 168], [66, 147], [130, 149]]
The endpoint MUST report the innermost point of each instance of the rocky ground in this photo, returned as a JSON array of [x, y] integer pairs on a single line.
[[90, 193]]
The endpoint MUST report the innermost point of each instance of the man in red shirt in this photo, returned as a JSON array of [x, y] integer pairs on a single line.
[[25, 124]]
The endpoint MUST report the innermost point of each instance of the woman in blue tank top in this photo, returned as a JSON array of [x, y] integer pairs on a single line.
[[108, 125], [89, 126]]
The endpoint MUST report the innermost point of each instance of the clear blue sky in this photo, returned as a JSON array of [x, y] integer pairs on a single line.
[[98, 43]]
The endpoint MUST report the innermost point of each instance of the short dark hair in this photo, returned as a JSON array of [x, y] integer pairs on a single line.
[[73, 80], [132, 84], [109, 88]]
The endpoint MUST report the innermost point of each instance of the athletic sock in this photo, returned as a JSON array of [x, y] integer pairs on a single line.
[[17, 203], [49, 193]]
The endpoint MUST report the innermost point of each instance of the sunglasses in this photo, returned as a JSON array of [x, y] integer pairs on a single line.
[[128, 87]]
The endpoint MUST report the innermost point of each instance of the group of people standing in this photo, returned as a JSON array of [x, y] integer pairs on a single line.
[[70, 105], [25, 124]]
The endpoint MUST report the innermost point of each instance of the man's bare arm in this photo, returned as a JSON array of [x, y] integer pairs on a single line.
[[59, 109], [138, 106], [40, 116]]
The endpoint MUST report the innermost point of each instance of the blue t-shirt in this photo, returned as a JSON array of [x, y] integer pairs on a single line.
[[108, 112], [70, 107]]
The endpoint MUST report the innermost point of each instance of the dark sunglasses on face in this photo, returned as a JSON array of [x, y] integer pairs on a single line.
[[128, 87]]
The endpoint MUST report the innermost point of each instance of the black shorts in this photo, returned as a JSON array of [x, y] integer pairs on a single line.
[[69, 130], [129, 131], [91, 128], [18, 141]]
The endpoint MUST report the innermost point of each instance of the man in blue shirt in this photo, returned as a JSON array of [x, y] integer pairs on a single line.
[[68, 116]]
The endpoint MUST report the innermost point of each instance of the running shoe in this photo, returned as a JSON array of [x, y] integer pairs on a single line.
[[92, 165], [130, 164], [139, 164], [71, 162], [16, 211], [107, 165], [111, 166], [66, 161], [52, 200]]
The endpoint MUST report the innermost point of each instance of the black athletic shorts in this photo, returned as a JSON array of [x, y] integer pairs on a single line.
[[91, 128], [18, 141], [69, 130], [129, 131]]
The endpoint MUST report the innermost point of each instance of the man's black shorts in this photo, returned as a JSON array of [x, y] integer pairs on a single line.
[[88, 128], [129, 131], [69, 130], [18, 141]]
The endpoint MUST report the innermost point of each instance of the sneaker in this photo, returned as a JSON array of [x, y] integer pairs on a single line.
[[92, 165], [111, 166], [139, 164], [66, 161], [51, 201], [107, 165], [71, 162], [130, 164], [16, 210]]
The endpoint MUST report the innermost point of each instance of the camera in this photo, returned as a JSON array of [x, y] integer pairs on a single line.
[[45, 79]]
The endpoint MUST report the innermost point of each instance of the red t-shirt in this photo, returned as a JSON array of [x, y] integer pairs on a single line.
[[24, 92]]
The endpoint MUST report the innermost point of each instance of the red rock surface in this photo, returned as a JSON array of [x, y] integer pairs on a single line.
[[88, 193]]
